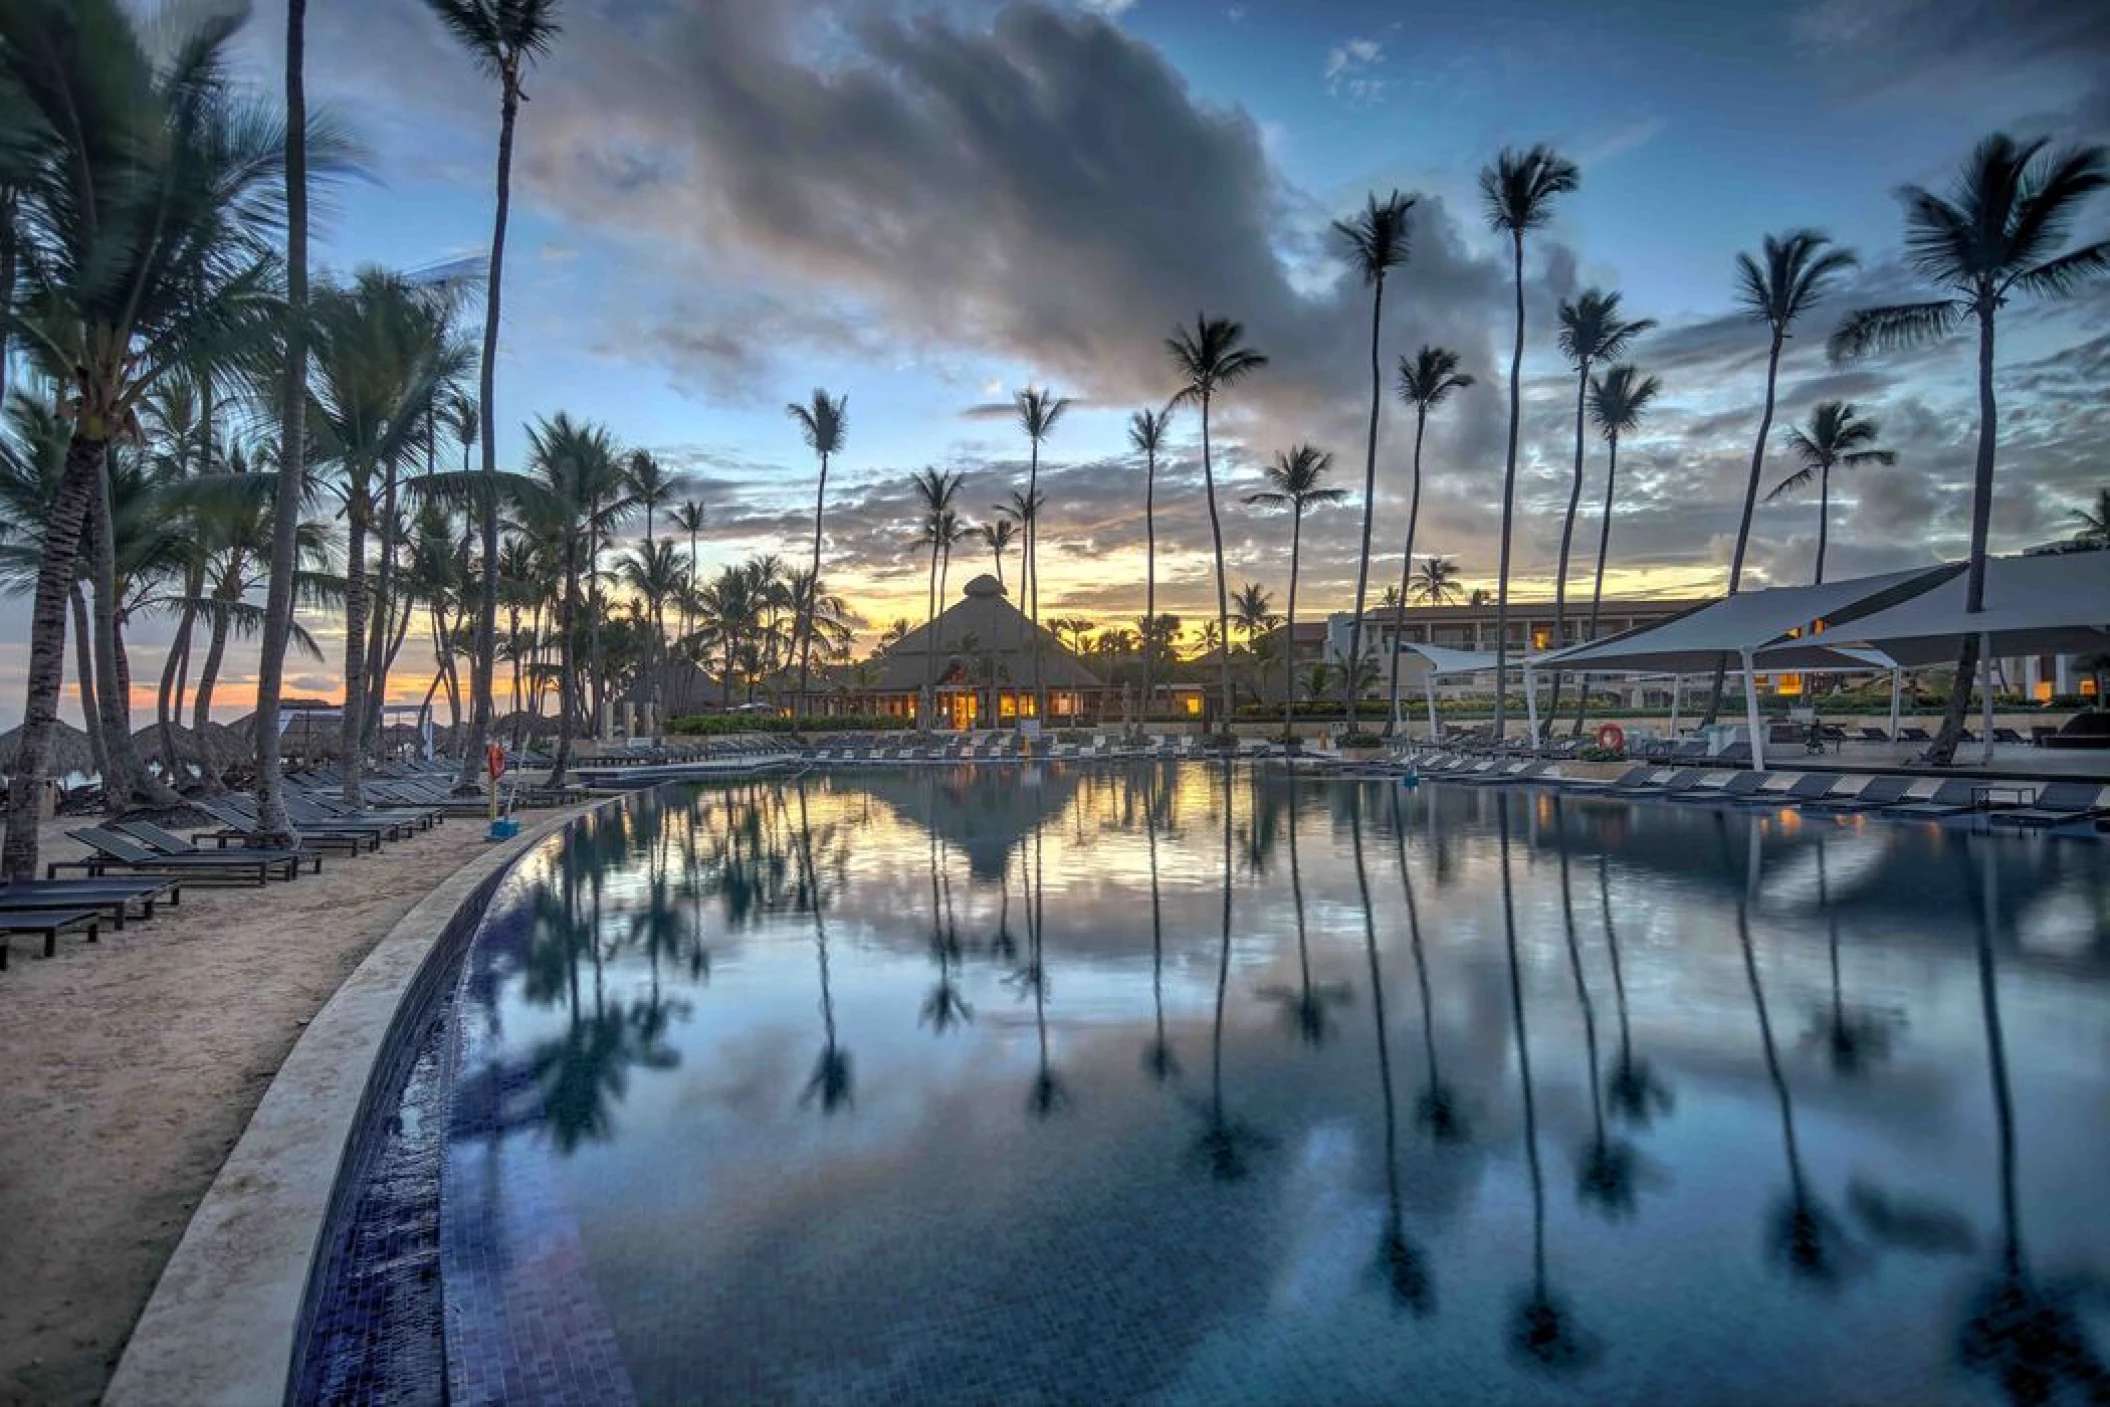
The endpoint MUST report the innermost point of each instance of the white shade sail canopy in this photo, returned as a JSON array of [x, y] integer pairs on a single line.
[[1442, 660], [2054, 603], [1718, 634]]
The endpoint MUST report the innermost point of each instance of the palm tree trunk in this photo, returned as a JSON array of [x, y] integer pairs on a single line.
[[1509, 499], [1150, 586], [1406, 568], [1824, 516], [1223, 592], [1604, 543], [565, 664], [1362, 561], [166, 702], [355, 608], [1289, 646], [1040, 692], [1560, 580], [1943, 750], [84, 680], [209, 676], [930, 635], [382, 619], [813, 590], [272, 821], [482, 664], [129, 781], [1743, 527]]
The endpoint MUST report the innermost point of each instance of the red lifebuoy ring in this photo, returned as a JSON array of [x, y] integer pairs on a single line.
[[495, 761], [1611, 737]]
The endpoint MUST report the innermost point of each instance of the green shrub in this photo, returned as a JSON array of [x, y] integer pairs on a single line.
[[1361, 739], [1593, 753]]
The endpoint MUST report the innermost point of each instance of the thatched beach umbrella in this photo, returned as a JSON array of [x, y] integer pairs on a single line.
[[69, 750], [188, 746]]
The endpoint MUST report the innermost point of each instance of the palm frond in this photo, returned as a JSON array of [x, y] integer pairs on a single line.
[[1893, 328], [2055, 278]]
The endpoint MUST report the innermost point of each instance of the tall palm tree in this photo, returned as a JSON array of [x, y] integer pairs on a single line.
[[147, 198], [1146, 435], [1426, 381], [653, 573], [1296, 482], [1377, 242], [936, 491], [823, 422], [504, 38], [1038, 412], [1591, 330], [274, 826], [997, 535], [1211, 359], [1517, 194], [1436, 582], [1836, 437], [1992, 238], [688, 519], [578, 468], [1794, 272], [1618, 399]]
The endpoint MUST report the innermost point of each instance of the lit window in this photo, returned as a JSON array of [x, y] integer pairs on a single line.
[[1194, 704]]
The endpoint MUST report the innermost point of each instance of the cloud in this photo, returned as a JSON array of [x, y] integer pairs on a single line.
[[1351, 70], [1110, 8]]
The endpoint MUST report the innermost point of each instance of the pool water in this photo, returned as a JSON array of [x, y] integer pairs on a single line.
[[1217, 1084]]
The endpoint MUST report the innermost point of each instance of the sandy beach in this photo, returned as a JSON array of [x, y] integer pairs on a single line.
[[132, 1067]]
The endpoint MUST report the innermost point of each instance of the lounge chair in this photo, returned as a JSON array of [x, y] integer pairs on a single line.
[[2060, 803], [1633, 779], [1509, 772], [237, 817], [1809, 787], [1914, 735], [1874, 735], [167, 842], [1880, 791], [120, 852], [49, 922], [1737, 787], [114, 897], [1951, 798], [2008, 735]]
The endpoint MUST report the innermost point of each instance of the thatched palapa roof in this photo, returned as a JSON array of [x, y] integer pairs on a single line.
[[984, 619], [69, 750]]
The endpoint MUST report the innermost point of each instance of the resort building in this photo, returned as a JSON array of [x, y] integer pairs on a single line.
[[1473, 628]]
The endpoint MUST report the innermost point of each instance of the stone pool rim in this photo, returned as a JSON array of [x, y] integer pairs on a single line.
[[229, 1313]]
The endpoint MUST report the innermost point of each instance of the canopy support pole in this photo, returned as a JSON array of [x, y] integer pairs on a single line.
[[1435, 724], [1677, 697], [1897, 690], [1531, 703], [1758, 741], [1985, 734]]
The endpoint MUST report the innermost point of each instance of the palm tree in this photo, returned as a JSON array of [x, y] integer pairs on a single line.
[[1591, 330], [274, 826], [503, 38], [1517, 193], [1377, 242], [1992, 238], [823, 422], [997, 535], [937, 490], [1038, 412], [688, 519], [1837, 436], [1146, 435], [1797, 271], [146, 200], [1436, 582], [1618, 399], [653, 573], [1211, 359], [2091, 527], [1425, 382], [578, 468], [1295, 482]]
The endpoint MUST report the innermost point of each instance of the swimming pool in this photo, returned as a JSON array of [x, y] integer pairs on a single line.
[[1203, 1083]]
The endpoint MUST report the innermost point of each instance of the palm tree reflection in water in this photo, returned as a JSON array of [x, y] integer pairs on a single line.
[[1158, 1057], [1307, 1007], [1543, 1331], [1050, 1095], [945, 1007], [1439, 1111], [1634, 1092], [1609, 1169], [831, 1081], [1222, 1145], [1854, 1040], [1400, 1262], [2027, 1333], [1801, 1231]]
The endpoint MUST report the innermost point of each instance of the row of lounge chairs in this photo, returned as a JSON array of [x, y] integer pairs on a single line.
[[1007, 747], [2055, 804], [46, 908]]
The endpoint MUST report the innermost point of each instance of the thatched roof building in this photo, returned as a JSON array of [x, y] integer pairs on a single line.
[[978, 654]]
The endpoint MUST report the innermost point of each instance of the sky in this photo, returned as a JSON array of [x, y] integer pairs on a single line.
[[924, 205]]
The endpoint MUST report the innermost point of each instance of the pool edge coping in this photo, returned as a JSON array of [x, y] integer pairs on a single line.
[[224, 1320]]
